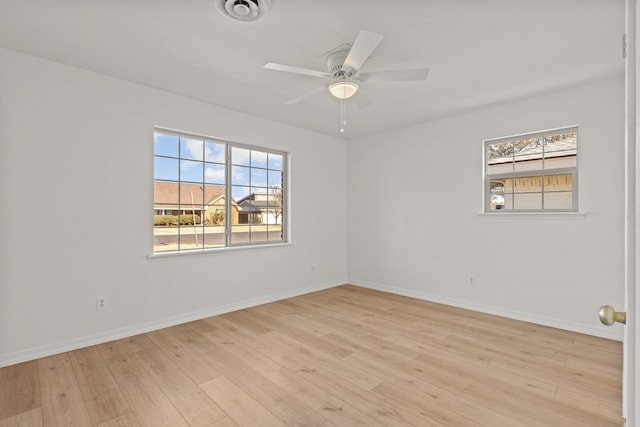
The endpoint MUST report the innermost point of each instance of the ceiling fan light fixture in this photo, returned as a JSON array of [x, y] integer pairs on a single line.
[[343, 88]]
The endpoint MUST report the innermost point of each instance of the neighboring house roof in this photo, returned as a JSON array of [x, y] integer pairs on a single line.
[[250, 204], [167, 194]]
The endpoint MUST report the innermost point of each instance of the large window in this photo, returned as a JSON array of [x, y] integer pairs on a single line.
[[209, 193], [532, 173]]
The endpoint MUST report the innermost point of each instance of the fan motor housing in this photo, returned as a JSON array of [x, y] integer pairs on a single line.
[[335, 61], [244, 10]]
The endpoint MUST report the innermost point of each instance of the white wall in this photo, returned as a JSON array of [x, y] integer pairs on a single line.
[[415, 194], [76, 159]]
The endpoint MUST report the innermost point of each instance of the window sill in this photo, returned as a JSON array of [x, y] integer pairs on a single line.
[[534, 215], [216, 251]]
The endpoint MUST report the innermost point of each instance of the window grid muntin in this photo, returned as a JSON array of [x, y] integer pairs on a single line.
[[542, 172], [282, 163]]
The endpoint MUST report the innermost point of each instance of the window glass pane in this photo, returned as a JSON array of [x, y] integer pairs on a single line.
[[165, 145], [214, 173], [561, 162], [274, 179], [560, 144], [191, 171], [528, 184], [258, 177], [527, 201], [190, 235], [275, 233], [259, 233], [165, 238], [241, 233], [562, 182], [499, 157], [240, 175], [240, 156], [525, 164], [275, 196], [164, 168], [214, 195], [499, 152], [191, 196], [498, 190], [239, 192], [528, 154], [558, 200], [191, 148], [214, 152], [165, 195], [275, 161], [214, 235], [214, 205], [258, 159], [508, 202], [560, 150]]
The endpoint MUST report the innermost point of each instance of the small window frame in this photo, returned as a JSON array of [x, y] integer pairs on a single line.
[[532, 173]]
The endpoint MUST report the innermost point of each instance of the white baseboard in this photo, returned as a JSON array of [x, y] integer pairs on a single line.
[[115, 334], [603, 331], [80, 342]]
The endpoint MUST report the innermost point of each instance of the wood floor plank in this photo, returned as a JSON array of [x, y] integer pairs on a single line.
[[225, 422], [427, 406], [19, 389], [535, 411], [240, 407], [146, 400], [62, 402], [268, 368], [359, 398], [107, 405], [127, 420], [280, 403], [103, 398], [592, 404], [194, 406], [334, 409], [32, 418]]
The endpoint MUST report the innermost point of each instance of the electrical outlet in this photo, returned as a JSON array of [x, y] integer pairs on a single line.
[[101, 303], [472, 281]]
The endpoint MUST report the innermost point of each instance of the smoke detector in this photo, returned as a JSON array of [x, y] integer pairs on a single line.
[[244, 10]]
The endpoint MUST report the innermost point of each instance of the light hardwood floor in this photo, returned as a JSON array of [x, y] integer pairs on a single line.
[[346, 356]]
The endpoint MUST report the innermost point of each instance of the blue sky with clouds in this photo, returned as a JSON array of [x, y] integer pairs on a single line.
[[203, 161]]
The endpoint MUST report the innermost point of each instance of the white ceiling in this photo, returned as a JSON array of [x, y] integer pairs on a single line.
[[479, 51]]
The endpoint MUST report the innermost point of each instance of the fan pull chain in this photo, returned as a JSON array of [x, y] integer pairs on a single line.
[[343, 116]]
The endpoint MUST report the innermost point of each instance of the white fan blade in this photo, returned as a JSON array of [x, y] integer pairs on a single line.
[[362, 49], [305, 95], [296, 70], [394, 75]]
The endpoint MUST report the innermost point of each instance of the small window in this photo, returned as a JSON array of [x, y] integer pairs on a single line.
[[210, 193], [532, 173]]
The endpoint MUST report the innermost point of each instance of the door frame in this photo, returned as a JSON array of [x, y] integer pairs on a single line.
[[630, 379]]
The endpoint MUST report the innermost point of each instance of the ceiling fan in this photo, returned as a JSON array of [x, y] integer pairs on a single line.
[[343, 68]]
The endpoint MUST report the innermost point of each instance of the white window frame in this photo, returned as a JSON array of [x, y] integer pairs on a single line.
[[573, 171], [228, 188]]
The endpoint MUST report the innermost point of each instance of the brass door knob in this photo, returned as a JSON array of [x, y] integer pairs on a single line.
[[609, 316]]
